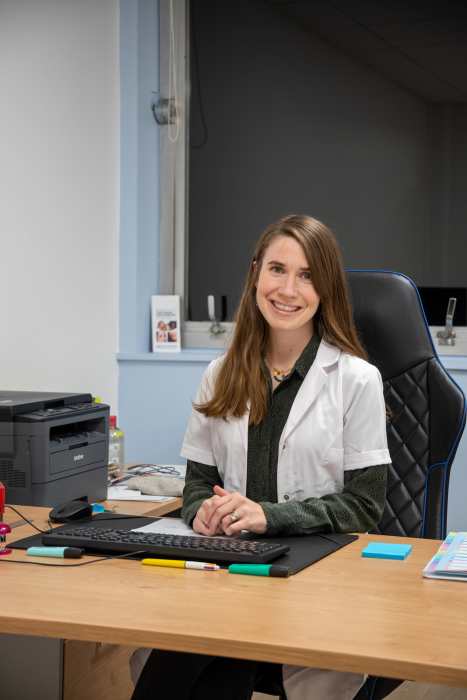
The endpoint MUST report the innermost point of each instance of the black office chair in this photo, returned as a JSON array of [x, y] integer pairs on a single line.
[[427, 412], [427, 417]]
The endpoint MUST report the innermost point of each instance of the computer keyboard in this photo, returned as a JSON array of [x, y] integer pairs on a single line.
[[210, 549]]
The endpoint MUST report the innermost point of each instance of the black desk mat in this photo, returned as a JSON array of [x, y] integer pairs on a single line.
[[308, 549], [304, 549]]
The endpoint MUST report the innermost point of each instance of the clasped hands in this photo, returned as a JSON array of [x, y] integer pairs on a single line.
[[228, 513]]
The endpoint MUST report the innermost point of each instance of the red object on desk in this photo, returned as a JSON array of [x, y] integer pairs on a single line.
[[2, 499], [4, 528]]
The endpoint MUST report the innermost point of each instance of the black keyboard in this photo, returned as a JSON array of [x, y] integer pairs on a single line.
[[210, 549]]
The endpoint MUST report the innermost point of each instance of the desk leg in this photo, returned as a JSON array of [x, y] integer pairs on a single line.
[[57, 669], [30, 667], [94, 670]]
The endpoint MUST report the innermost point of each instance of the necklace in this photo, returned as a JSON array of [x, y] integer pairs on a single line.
[[280, 374]]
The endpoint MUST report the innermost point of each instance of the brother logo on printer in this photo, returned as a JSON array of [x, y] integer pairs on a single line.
[[77, 458]]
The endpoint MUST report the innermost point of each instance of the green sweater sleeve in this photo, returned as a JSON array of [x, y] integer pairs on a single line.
[[357, 509], [199, 482]]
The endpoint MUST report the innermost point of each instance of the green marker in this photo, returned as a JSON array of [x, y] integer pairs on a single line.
[[259, 570]]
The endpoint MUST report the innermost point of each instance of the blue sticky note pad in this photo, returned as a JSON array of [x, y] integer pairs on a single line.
[[383, 550], [97, 508]]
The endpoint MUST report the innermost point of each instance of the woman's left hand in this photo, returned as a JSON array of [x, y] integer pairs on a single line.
[[238, 513]]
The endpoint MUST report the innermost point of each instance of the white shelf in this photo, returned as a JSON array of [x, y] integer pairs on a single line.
[[189, 355]]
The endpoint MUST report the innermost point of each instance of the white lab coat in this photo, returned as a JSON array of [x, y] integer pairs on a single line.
[[337, 423]]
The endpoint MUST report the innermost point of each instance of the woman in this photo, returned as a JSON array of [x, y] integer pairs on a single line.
[[287, 436]]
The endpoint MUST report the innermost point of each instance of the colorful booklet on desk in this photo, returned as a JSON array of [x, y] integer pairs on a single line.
[[450, 561]]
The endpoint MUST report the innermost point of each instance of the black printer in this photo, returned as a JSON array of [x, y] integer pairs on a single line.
[[53, 447]]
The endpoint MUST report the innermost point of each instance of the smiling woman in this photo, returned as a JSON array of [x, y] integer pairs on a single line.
[[295, 287], [287, 436]]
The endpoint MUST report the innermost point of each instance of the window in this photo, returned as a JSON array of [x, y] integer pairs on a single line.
[[286, 111]]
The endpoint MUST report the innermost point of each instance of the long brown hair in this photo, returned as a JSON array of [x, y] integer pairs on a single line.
[[240, 380]]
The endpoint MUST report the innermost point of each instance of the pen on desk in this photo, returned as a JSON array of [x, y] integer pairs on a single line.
[[181, 564], [260, 570]]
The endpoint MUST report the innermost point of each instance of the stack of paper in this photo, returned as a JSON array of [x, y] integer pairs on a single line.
[[450, 561]]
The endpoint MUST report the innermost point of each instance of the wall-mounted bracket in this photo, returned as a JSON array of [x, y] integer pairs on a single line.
[[164, 110]]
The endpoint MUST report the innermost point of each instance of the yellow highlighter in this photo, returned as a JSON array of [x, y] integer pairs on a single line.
[[180, 564]]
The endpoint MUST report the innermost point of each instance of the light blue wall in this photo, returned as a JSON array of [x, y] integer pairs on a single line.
[[156, 401], [155, 391], [139, 177]]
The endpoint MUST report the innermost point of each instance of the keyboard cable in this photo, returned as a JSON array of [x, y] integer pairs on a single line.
[[70, 566]]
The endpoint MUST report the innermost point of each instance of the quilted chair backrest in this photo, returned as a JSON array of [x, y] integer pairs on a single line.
[[426, 407]]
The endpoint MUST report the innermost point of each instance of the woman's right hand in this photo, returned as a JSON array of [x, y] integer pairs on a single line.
[[202, 522]]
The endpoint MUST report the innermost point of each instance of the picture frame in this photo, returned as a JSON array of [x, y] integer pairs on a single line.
[[165, 323]]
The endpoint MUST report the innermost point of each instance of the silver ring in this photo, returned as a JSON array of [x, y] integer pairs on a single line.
[[234, 517]]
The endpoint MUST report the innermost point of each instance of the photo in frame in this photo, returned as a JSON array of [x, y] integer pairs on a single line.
[[165, 323]]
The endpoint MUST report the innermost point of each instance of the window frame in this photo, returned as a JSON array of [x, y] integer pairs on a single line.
[[174, 174]]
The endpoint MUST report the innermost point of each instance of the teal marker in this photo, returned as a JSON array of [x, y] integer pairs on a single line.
[[61, 552], [259, 570]]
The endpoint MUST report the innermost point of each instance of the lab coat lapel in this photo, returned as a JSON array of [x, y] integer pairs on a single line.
[[235, 453], [313, 384], [242, 427]]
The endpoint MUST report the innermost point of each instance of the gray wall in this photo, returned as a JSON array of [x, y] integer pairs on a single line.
[[455, 246], [295, 125], [59, 214], [448, 239]]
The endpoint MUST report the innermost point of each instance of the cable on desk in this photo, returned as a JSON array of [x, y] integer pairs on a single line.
[[330, 539], [23, 517], [69, 566], [115, 516]]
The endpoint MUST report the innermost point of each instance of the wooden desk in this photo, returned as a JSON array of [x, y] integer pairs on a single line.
[[344, 612]]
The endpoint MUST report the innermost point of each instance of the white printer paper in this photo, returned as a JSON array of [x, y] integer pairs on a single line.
[[122, 493], [168, 526]]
